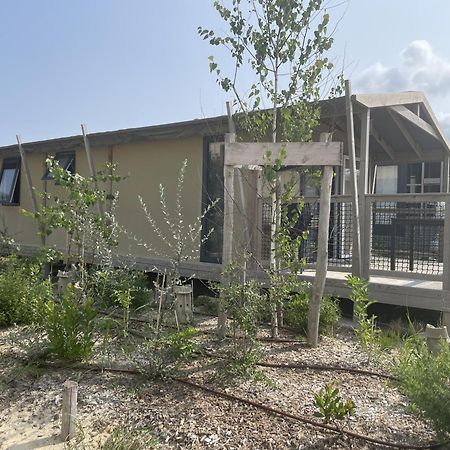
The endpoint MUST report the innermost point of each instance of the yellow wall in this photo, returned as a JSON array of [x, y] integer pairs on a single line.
[[146, 166]]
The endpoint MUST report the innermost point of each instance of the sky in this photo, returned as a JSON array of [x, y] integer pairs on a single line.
[[114, 64]]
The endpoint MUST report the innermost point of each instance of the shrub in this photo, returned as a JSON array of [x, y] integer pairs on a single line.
[[244, 303], [110, 286], [22, 290], [296, 315], [69, 325], [425, 379], [181, 345], [366, 331], [330, 406]]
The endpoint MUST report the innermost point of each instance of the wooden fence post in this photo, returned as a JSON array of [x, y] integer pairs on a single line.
[[228, 225], [356, 251], [69, 410]]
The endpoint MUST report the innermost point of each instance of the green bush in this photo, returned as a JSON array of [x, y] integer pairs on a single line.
[[181, 345], [425, 379], [69, 325], [296, 314], [22, 290], [108, 287], [330, 406]]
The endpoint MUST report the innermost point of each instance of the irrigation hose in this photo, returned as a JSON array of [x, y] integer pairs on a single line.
[[304, 419], [252, 403]]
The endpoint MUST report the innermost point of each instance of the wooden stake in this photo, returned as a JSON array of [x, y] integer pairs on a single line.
[[322, 253], [69, 410], [90, 161], [356, 252], [228, 220], [228, 225], [23, 157]]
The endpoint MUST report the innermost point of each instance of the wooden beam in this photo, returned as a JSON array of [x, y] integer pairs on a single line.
[[356, 253], [380, 100], [298, 154], [363, 191], [414, 145], [419, 123], [384, 145], [228, 229], [446, 174], [426, 106]]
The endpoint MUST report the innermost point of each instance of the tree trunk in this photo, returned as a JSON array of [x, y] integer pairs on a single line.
[[322, 253]]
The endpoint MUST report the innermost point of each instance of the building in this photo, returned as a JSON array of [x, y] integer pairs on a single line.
[[403, 170]]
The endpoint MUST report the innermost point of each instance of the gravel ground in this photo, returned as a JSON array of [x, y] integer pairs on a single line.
[[181, 417]]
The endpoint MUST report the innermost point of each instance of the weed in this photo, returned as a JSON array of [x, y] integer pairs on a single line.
[[366, 331], [123, 439], [69, 325], [244, 303], [22, 291], [330, 406], [424, 379]]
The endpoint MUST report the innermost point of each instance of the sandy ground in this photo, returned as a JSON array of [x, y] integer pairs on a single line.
[[180, 417]]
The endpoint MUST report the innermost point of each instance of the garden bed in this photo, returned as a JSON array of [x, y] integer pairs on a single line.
[[179, 416]]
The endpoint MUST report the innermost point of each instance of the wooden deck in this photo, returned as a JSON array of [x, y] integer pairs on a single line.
[[408, 292], [399, 289]]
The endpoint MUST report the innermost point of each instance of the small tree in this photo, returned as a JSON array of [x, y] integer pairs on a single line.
[[284, 44], [180, 239], [77, 210]]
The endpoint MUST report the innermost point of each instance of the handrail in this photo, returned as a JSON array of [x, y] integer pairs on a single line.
[[406, 197]]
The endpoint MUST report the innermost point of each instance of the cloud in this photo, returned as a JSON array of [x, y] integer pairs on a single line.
[[419, 68]]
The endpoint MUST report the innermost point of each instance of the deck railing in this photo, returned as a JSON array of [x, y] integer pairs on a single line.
[[401, 235]]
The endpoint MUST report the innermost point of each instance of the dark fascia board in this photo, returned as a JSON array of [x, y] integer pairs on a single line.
[[197, 127]]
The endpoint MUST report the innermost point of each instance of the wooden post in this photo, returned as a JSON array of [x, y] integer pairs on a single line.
[[446, 262], [322, 253], [446, 174], [69, 410], [446, 250], [228, 224], [356, 252], [365, 234], [26, 169], [90, 161]]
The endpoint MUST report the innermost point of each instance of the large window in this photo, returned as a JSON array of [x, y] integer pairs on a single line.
[[65, 160], [10, 182], [211, 249]]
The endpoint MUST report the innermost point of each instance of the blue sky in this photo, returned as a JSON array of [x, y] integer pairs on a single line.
[[115, 64]]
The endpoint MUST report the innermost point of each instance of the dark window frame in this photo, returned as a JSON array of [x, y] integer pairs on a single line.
[[69, 165], [14, 191], [207, 140]]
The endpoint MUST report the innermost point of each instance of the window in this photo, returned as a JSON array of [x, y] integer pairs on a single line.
[[10, 182], [211, 249], [65, 160]]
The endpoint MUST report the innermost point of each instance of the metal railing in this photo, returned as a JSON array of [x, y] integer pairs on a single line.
[[401, 234]]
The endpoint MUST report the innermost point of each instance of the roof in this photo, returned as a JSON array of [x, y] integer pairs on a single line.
[[394, 125]]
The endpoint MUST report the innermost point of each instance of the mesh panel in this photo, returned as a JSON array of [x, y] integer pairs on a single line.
[[340, 234], [408, 237], [266, 223]]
